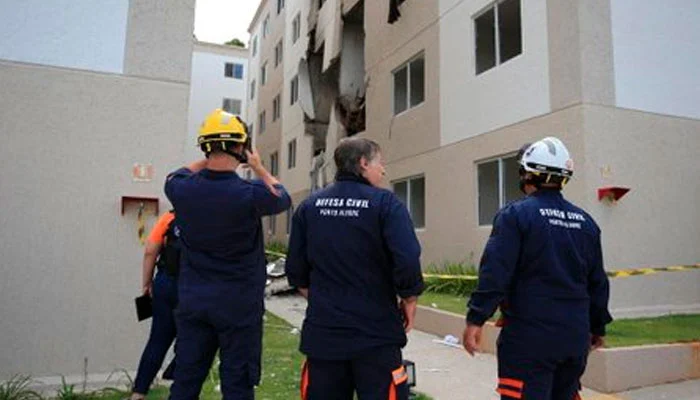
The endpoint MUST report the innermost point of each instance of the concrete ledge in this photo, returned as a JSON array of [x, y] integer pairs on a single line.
[[609, 370]]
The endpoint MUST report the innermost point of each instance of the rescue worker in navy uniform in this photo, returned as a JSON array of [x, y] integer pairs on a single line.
[[222, 269], [544, 264], [354, 255], [162, 250]]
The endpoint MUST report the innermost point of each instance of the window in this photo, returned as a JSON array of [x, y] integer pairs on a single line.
[[276, 108], [232, 106], [411, 192], [233, 70], [266, 26], [296, 28], [254, 46], [272, 225], [263, 74], [278, 53], [280, 6], [409, 85], [252, 89], [261, 122], [320, 3], [292, 154], [498, 35], [251, 130], [274, 163], [290, 214], [498, 185], [294, 90]]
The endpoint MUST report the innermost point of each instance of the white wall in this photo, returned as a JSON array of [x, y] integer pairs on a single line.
[[508, 93], [82, 34], [657, 55], [208, 88]]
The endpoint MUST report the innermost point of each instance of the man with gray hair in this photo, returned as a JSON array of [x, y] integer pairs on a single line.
[[354, 255]]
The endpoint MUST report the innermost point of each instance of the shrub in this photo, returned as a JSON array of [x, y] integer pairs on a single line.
[[17, 388]]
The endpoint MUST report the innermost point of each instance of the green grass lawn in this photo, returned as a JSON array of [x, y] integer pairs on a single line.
[[668, 329], [620, 333], [280, 371], [445, 302]]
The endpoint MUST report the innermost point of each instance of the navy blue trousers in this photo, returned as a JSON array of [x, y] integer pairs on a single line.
[[162, 334], [538, 378], [200, 334], [369, 375]]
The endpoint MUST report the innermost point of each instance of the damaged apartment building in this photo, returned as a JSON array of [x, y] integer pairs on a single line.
[[451, 89], [307, 90]]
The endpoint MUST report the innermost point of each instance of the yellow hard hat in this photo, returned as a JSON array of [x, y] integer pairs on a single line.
[[220, 126]]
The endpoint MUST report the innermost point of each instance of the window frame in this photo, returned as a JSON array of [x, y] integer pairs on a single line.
[[497, 34], [263, 74], [502, 201], [275, 163], [230, 101], [280, 6], [277, 107], [294, 90], [407, 65], [262, 123], [408, 181], [296, 28], [292, 154], [266, 26], [279, 53]]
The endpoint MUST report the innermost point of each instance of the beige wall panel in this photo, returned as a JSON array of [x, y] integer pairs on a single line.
[[658, 222], [165, 52], [415, 130], [70, 261], [386, 38], [452, 232]]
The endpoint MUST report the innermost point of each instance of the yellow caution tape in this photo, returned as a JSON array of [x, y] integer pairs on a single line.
[[460, 277], [623, 273], [141, 225]]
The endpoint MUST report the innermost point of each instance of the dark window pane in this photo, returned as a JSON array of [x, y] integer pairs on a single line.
[[400, 90], [417, 81], [509, 29], [228, 70], [418, 202], [488, 191], [485, 41], [511, 180], [401, 191]]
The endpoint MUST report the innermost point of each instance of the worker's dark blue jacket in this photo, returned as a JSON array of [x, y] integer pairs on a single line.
[[223, 259], [544, 260], [355, 248]]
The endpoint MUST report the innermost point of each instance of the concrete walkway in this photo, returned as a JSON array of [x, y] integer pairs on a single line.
[[448, 373]]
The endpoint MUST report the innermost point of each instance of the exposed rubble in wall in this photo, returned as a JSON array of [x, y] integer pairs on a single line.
[[332, 80]]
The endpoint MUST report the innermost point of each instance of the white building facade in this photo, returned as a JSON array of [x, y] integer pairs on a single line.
[[219, 80]]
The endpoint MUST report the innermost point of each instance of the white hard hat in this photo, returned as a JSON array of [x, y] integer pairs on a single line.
[[548, 156]]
